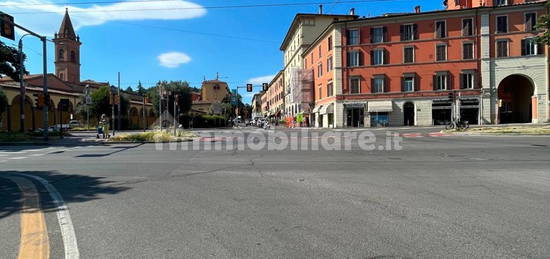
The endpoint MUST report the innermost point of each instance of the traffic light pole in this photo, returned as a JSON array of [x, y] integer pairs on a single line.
[[45, 73]]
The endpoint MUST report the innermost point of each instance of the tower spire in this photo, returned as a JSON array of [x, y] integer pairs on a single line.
[[66, 29]]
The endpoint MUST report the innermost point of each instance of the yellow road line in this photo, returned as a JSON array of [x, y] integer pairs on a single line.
[[34, 234]]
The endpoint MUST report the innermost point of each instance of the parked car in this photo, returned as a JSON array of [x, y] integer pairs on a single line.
[[74, 123]]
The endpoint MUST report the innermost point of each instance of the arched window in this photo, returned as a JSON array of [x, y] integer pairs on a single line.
[[73, 56], [61, 54]]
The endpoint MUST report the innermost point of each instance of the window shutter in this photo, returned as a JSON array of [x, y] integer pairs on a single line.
[[348, 60], [402, 32], [438, 29], [360, 56], [403, 83], [385, 34], [371, 35], [372, 85], [434, 82], [523, 47], [416, 82], [386, 84], [449, 81], [372, 57], [386, 57], [462, 81], [415, 31]]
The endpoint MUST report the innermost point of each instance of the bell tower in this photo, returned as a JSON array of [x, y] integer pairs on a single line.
[[67, 52]]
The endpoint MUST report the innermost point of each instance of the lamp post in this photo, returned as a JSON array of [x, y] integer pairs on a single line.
[[22, 89]]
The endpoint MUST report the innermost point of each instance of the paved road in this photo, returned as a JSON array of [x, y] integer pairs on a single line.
[[439, 196]]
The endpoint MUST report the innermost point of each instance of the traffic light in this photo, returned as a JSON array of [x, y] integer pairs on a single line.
[[40, 101], [265, 86], [7, 28], [249, 87]]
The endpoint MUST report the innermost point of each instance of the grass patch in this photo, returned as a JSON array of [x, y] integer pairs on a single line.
[[84, 129], [525, 130], [154, 136]]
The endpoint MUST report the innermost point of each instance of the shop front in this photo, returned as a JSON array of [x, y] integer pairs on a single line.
[[379, 112], [355, 115]]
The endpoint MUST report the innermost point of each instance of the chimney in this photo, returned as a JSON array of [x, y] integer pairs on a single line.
[[417, 9], [321, 9], [352, 11]]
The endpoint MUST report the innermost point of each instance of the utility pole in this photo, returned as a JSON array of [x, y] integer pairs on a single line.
[[168, 109], [160, 105], [112, 95], [143, 113], [175, 105], [119, 101], [87, 101]]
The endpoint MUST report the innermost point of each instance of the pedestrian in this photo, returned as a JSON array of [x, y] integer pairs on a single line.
[[104, 125]]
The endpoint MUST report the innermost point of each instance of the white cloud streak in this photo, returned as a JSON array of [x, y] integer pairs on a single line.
[[45, 17], [260, 80], [173, 59]]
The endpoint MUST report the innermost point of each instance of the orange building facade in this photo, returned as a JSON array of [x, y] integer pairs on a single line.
[[274, 97], [477, 61]]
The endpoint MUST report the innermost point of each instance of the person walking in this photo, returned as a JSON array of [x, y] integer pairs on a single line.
[[104, 126]]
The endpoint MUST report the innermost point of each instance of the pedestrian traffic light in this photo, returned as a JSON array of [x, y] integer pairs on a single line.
[[265, 86], [249, 87], [6, 26]]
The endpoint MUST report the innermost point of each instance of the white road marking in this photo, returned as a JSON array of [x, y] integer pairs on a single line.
[[63, 217]]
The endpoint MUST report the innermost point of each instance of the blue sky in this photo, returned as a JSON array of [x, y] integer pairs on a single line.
[[242, 44]]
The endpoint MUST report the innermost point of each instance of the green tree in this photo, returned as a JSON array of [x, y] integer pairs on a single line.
[[9, 62], [101, 104], [129, 90], [141, 90], [543, 25], [180, 88]]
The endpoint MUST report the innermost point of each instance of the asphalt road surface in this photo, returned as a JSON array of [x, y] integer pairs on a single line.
[[436, 196]]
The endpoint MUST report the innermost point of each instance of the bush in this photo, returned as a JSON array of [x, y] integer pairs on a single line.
[[153, 136]]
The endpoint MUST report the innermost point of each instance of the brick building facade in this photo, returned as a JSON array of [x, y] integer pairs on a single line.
[[396, 70]]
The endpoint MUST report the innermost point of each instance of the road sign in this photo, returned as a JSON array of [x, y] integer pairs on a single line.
[[7, 28], [88, 100]]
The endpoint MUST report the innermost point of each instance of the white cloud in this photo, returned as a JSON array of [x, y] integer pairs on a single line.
[[173, 59], [260, 80], [45, 17]]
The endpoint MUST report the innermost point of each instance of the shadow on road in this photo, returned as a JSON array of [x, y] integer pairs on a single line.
[[73, 188], [120, 149]]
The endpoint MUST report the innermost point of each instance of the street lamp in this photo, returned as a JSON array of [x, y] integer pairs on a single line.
[[22, 90]]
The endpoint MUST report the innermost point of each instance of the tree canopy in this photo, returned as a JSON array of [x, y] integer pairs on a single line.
[[543, 25], [101, 103], [9, 62], [179, 88]]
